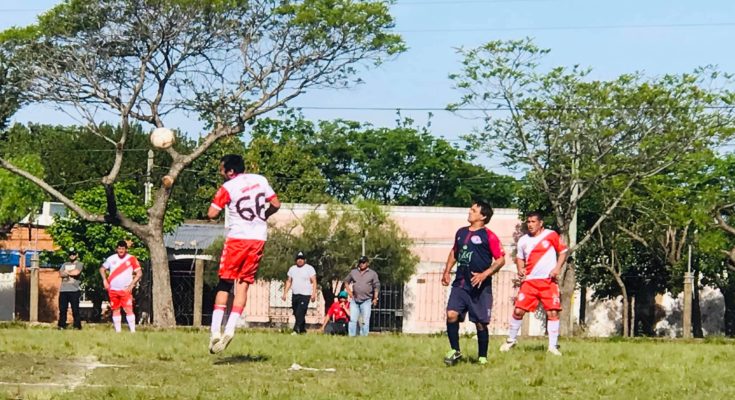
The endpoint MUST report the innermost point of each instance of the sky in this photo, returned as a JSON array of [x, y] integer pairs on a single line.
[[611, 37]]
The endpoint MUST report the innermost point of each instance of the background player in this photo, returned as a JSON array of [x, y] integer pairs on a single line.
[[120, 273]]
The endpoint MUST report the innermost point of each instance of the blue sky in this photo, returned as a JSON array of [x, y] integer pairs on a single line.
[[611, 37]]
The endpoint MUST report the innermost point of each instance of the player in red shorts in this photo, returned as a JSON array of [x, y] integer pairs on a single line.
[[120, 273], [540, 257], [249, 200]]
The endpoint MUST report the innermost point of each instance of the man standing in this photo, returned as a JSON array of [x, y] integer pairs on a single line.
[[478, 254], [250, 201], [120, 273], [70, 289], [363, 286], [302, 282], [540, 257]]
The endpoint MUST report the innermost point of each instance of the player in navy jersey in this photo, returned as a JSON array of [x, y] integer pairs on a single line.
[[478, 254]]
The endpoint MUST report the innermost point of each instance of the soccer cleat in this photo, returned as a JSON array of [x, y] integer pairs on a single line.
[[555, 351], [482, 360], [509, 344], [223, 343], [213, 340], [452, 357]]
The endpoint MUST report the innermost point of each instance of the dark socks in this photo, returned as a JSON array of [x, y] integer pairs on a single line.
[[453, 333], [483, 338]]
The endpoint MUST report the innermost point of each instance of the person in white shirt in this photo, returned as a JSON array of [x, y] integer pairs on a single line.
[[249, 200], [120, 273], [302, 282]]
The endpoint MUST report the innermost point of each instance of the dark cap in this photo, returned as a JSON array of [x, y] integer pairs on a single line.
[[122, 243], [72, 252], [300, 256], [363, 259]]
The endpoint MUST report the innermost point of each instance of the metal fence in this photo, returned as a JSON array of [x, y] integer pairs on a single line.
[[387, 315]]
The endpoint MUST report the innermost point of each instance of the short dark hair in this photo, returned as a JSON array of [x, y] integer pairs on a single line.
[[233, 162], [122, 243], [485, 209], [536, 214]]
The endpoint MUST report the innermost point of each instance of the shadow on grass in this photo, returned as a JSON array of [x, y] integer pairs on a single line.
[[242, 358]]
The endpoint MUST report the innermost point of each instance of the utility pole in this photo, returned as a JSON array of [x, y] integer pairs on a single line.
[[34, 288], [148, 184], [687, 312]]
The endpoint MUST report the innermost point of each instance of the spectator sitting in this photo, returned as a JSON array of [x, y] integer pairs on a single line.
[[338, 315]]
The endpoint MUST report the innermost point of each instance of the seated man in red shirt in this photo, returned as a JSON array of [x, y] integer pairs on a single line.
[[338, 315]]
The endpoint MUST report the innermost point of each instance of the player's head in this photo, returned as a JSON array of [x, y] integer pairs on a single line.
[[342, 296], [72, 254], [534, 222], [121, 248], [300, 259], [231, 165], [481, 211], [363, 262]]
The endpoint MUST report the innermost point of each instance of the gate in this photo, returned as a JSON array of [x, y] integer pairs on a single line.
[[387, 315]]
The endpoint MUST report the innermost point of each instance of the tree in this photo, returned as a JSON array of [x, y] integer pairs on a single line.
[[573, 135], [20, 197], [224, 61], [331, 242], [10, 90], [95, 241]]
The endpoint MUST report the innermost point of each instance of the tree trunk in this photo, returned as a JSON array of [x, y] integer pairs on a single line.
[[568, 284], [728, 292], [645, 311], [163, 307], [328, 295], [626, 314]]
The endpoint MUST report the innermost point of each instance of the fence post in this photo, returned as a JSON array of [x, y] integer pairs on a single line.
[[34, 288], [198, 289], [687, 312]]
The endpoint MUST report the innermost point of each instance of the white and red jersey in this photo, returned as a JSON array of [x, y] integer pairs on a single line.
[[246, 197], [539, 252], [120, 274]]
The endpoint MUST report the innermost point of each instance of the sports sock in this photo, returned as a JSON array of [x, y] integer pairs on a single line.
[[232, 320], [553, 327], [483, 338], [515, 326], [117, 322], [217, 315], [453, 333], [130, 317]]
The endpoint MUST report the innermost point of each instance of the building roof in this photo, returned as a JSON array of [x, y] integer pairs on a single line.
[[194, 236]]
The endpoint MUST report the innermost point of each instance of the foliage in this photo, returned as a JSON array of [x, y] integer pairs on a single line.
[[19, 196]]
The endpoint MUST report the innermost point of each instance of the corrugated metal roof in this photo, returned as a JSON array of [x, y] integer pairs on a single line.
[[194, 236]]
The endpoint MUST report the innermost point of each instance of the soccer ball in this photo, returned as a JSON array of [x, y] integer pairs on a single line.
[[162, 138]]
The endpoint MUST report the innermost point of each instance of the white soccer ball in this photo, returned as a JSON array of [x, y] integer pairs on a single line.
[[162, 138]]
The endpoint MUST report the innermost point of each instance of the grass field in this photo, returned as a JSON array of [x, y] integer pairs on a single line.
[[95, 363]]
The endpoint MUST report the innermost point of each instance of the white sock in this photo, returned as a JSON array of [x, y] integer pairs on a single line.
[[131, 321], [217, 315], [553, 328], [232, 321], [117, 322], [515, 326]]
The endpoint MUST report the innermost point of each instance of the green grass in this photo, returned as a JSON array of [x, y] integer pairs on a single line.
[[175, 364]]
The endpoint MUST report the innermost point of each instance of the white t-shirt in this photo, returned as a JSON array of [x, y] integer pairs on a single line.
[[539, 252], [301, 279], [120, 274], [246, 197]]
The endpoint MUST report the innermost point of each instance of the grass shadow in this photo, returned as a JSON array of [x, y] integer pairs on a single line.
[[242, 358]]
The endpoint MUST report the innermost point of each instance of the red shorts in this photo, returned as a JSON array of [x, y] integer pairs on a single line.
[[120, 299], [534, 290], [240, 259]]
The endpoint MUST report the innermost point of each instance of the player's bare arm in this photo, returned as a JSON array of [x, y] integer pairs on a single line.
[[313, 288], [136, 277], [521, 266], [74, 272], [559, 263], [446, 277], [275, 205], [103, 274], [213, 212]]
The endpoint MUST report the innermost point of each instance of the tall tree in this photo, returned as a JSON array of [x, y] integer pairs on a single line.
[[223, 61], [573, 135], [20, 197]]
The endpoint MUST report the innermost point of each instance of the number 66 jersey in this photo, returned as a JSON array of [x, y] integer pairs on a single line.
[[246, 197]]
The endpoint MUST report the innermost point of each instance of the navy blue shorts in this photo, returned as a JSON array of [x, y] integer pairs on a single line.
[[478, 304]]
